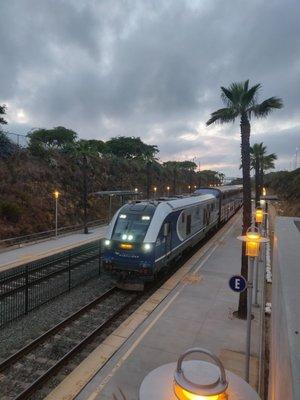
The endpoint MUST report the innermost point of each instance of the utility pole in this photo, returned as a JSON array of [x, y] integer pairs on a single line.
[[85, 194]]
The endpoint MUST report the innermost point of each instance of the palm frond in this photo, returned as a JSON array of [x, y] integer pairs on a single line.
[[226, 96], [249, 97], [246, 85], [266, 107], [222, 116]]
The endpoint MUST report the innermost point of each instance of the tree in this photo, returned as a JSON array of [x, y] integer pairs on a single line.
[[260, 162], [130, 148], [2, 112], [241, 102], [50, 139], [7, 148], [82, 151]]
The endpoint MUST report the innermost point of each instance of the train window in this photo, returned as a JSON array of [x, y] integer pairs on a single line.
[[188, 224], [182, 217], [166, 228]]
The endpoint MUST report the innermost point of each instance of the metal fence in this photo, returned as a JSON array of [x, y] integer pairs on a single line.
[[25, 288]]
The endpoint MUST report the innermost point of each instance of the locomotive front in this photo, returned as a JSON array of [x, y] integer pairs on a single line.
[[125, 254]]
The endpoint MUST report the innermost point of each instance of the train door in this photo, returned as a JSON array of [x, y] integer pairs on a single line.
[[167, 237]]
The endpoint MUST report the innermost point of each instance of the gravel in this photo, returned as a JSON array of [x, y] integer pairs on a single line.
[[20, 332]]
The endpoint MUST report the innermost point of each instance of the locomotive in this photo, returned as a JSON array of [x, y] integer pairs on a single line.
[[144, 236]]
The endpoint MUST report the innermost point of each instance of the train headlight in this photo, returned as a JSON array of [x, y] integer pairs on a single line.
[[107, 242], [147, 247], [130, 237], [124, 237]]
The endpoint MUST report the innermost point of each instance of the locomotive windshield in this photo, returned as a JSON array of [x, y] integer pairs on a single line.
[[131, 227]]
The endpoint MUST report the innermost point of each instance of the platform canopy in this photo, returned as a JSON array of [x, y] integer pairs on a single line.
[[117, 193]]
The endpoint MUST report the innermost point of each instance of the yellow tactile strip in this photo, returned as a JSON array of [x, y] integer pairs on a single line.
[[84, 372]]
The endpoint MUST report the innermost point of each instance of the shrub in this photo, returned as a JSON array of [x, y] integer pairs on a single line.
[[10, 211], [7, 148]]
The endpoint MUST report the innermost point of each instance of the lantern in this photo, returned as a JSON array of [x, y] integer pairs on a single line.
[[252, 244], [56, 194], [264, 191], [195, 380], [259, 215]]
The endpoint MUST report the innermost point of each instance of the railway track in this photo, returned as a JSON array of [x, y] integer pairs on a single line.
[[23, 373]]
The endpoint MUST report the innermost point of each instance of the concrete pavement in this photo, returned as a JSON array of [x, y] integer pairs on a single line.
[[15, 257], [194, 309]]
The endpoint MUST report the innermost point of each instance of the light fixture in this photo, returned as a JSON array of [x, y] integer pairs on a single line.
[[136, 190], [123, 216], [56, 194], [195, 380], [264, 191], [147, 246], [259, 215], [155, 188], [253, 240], [168, 188], [107, 242], [126, 246], [145, 218], [130, 237], [124, 236]]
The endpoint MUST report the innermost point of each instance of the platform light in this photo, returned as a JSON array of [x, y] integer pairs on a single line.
[[189, 186], [259, 215], [136, 190], [262, 202], [56, 194], [195, 187], [264, 191], [168, 188], [252, 243], [155, 188], [107, 242], [195, 380]]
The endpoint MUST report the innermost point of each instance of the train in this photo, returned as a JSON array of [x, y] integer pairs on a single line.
[[144, 236]]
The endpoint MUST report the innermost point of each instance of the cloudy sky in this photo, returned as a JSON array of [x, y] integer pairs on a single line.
[[152, 69]]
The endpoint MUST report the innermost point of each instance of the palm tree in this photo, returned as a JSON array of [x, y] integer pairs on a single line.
[[257, 152], [260, 162], [267, 163], [241, 102]]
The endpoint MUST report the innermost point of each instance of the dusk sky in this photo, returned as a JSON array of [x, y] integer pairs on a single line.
[[152, 69]]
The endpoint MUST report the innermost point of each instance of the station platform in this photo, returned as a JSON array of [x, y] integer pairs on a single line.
[[194, 308], [32, 252]]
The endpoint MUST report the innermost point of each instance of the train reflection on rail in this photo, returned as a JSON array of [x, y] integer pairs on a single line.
[[144, 236]]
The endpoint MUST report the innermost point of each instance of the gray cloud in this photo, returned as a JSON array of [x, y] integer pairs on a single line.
[[151, 69]]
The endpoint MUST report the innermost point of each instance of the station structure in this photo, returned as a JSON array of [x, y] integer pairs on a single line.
[[195, 308]]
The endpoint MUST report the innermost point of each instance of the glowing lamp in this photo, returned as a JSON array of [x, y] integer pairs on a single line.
[[253, 240], [264, 191], [259, 215], [168, 188], [195, 380], [155, 188], [126, 246], [56, 194], [189, 186], [195, 187], [136, 190]]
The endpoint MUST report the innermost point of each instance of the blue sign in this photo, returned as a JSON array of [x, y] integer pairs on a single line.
[[238, 283]]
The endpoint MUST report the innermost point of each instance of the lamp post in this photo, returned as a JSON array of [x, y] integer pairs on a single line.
[[195, 380], [168, 190], [189, 187], [264, 191], [253, 240], [259, 216], [56, 196]]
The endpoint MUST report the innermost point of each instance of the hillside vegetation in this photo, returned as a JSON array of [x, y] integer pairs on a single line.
[[286, 184], [29, 177]]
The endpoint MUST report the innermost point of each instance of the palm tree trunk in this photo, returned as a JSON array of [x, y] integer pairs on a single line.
[[245, 151], [257, 183]]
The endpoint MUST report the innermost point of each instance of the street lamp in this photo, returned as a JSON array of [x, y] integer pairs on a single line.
[[136, 190], [195, 380], [155, 190], [264, 191], [253, 240], [168, 189], [56, 196], [259, 215]]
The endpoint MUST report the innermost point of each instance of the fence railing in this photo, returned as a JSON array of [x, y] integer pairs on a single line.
[[36, 237], [25, 288], [17, 138]]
